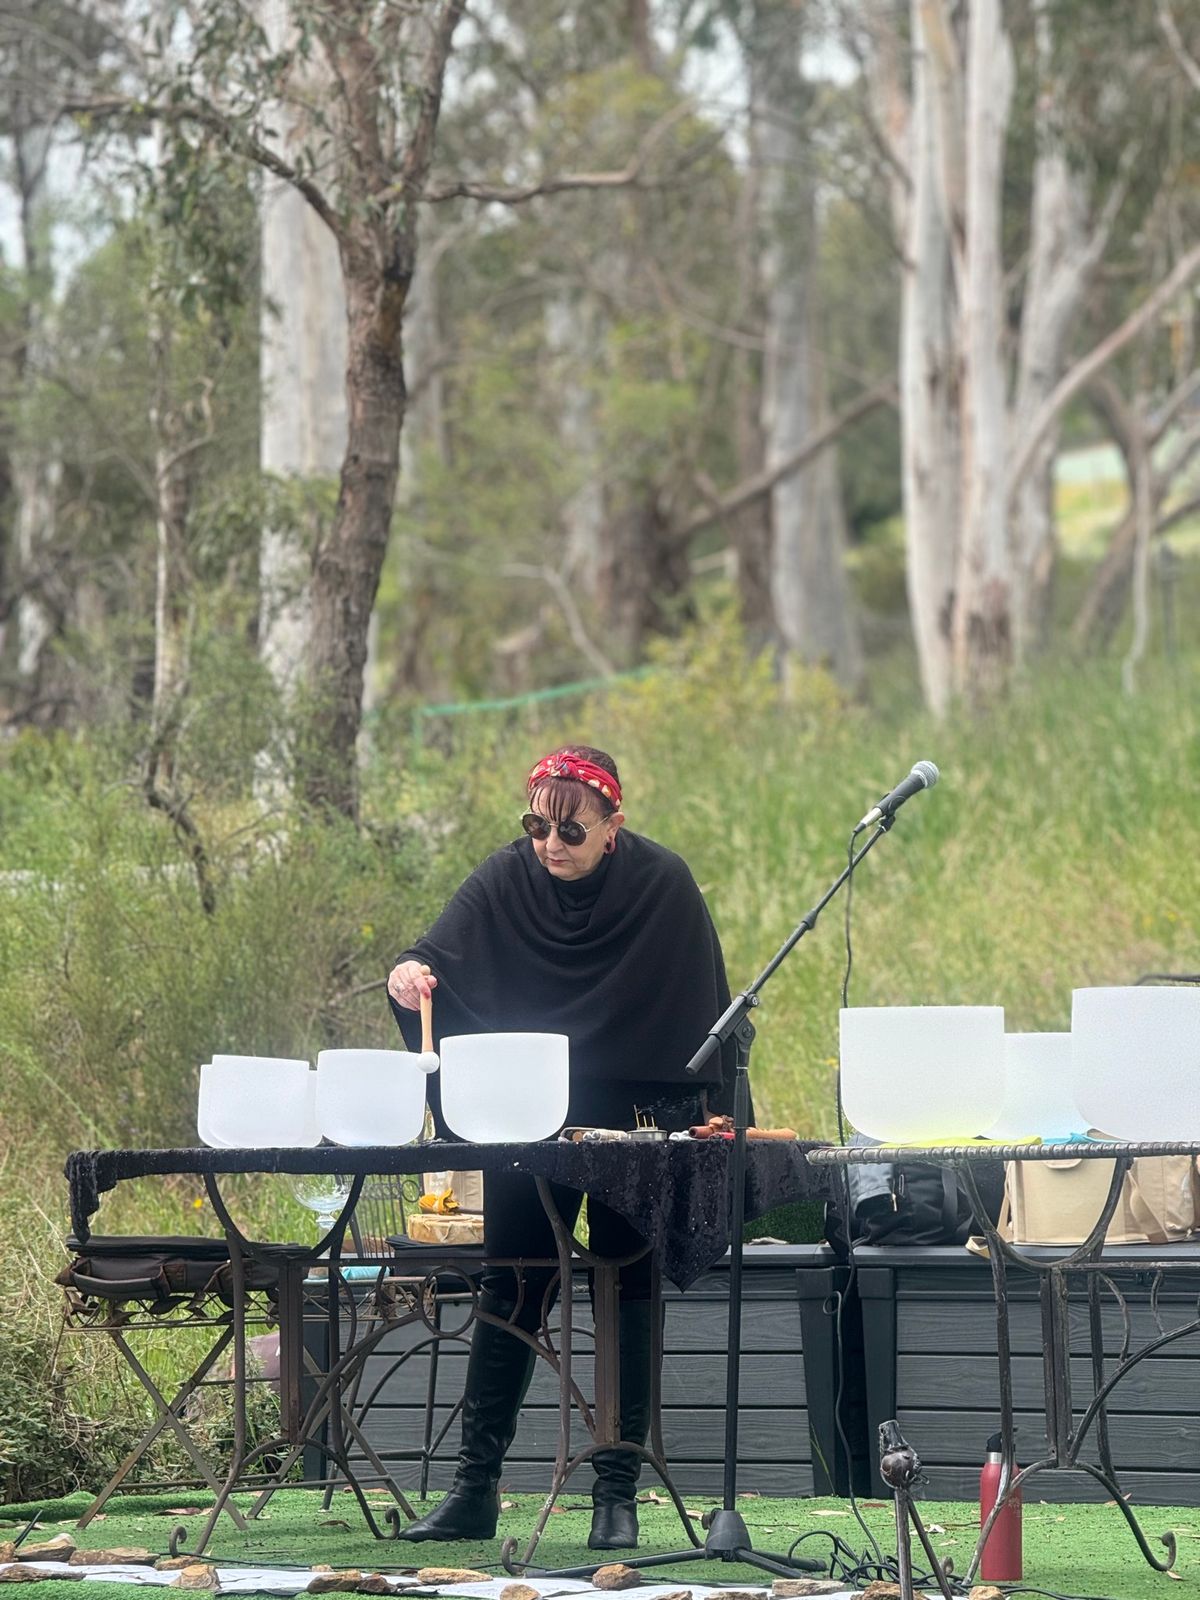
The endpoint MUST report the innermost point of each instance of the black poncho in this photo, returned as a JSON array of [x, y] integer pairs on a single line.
[[625, 962]]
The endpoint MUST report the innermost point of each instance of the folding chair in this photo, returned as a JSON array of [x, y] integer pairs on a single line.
[[381, 1213], [126, 1287]]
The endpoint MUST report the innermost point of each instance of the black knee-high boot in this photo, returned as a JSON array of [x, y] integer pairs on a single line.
[[499, 1369], [614, 1493]]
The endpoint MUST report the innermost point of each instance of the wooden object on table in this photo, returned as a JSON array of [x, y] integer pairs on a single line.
[[458, 1227], [426, 1019]]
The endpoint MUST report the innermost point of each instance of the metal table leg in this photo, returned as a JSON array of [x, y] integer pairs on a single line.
[[1064, 1440], [604, 1423]]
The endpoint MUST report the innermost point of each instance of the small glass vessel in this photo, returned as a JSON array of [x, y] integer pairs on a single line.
[[324, 1193]]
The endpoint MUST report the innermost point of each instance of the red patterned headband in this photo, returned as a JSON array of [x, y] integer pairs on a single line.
[[562, 764]]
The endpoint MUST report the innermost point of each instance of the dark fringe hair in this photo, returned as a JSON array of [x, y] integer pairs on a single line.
[[564, 797]]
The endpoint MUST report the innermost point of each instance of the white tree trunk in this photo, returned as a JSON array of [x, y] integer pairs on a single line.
[[809, 586], [574, 340], [36, 467], [173, 496], [35, 480], [750, 526], [809, 590], [1143, 506], [1063, 253], [929, 392], [983, 620], [172, 508], [303, 371]]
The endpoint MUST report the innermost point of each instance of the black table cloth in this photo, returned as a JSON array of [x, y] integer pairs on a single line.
[[676, 1194]]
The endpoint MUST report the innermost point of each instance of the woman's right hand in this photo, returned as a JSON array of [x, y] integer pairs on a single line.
[[409, 982]]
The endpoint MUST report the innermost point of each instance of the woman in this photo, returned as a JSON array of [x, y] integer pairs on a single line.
[[577, 927]]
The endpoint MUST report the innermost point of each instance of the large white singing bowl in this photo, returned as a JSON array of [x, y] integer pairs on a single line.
[[922, 1072], [369, 1097], [1135, 1060], [505, 1088], [1038, 1093], [257, 1102]]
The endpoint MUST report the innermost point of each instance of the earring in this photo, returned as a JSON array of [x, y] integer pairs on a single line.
[[610, 845]]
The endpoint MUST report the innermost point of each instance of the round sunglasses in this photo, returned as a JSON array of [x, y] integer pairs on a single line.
[[570, 831]]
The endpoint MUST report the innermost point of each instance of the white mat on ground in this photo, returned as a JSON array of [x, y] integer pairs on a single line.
[[289, 1581]]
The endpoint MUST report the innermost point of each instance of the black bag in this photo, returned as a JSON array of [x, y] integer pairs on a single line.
[[910, 1203], [158, 1271]]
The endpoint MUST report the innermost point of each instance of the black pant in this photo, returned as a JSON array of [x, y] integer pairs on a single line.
[[515, 1222]]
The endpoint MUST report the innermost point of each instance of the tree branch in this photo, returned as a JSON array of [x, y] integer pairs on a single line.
[[235, 138], [1183, 448], [1117, 417], [762, 482], [883, 104], [562, 593], [1180, 397], [629, 176], [1170, 27], [1084, 370], [1144, 508], [176, 807], [415, 167], [1179, 513]]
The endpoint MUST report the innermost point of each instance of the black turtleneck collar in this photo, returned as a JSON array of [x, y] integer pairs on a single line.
[[577, 896]]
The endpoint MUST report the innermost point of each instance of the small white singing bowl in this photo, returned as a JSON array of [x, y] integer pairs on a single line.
[[258, 1102], [369, 1097]]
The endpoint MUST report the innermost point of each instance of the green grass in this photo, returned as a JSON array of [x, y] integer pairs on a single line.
[[1073, 1550]]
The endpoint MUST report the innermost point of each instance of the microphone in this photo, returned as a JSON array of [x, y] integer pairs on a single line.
[[923, 776]]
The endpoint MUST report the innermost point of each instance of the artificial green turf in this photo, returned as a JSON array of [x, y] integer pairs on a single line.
[[1073, 1550]]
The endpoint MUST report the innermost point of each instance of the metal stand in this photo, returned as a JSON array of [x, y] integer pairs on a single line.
[[900, 1468], [728, 1537]]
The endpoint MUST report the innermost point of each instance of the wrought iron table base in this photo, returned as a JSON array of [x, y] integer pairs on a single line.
[[332, 1419], [1066, 1441]]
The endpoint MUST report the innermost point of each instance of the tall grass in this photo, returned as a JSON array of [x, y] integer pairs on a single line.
[[1058, 849]]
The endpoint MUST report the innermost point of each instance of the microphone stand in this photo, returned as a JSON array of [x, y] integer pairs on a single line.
[[728, 1537]]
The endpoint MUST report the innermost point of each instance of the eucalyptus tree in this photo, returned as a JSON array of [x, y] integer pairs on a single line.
[[303, 362], [653, 327], [150, 387], [987, 359], [1159, 443], [810, 600], [1147, 398], [44, 47], [214, 80], [590, 308]]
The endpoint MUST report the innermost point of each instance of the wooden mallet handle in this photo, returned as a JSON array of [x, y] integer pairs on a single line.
[[426, 1019]]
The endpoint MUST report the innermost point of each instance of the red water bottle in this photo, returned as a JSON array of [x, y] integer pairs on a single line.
[[1001, 1559]]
